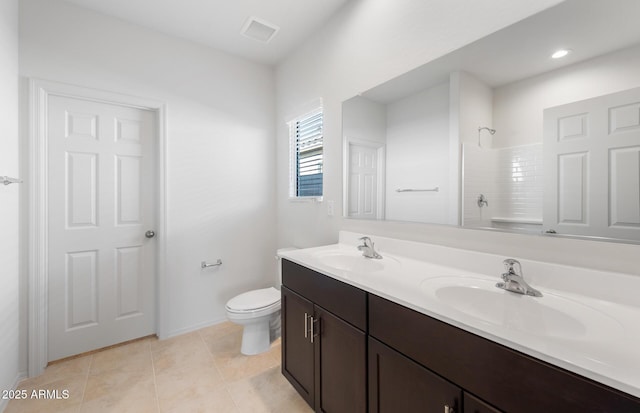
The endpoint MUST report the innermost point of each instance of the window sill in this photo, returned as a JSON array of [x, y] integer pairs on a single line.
[[305, 199]]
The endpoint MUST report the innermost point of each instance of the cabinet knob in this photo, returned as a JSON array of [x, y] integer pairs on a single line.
[[448, 409]]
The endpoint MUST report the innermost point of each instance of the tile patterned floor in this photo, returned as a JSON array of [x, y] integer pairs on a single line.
[[202, 371]]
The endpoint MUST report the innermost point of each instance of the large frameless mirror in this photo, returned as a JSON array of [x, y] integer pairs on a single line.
[[501, 135]]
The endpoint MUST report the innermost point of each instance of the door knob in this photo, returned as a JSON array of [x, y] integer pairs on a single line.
[[149, 234]]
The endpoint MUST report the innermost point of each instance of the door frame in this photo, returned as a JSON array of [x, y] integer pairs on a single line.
[[381, 159], [37, 233]]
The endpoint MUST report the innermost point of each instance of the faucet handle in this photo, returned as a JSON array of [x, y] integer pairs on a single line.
[[509, 265], [366, 240]]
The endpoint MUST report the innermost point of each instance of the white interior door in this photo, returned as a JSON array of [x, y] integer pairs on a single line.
[[101, 191], [592, 166], [364, 186]]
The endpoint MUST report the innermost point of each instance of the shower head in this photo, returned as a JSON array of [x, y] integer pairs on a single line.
[[491, 132]]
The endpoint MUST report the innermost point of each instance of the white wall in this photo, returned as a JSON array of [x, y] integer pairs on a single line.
[[418, 156], [9, 198], [518, 106], [221, 158], [476, 109], [364, 120], [367, 43], [471, 107]]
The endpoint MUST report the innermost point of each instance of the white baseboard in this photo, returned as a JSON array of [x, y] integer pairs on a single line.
[[21, 376], [194, 328]]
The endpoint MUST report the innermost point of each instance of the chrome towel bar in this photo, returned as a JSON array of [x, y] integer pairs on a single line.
[[436, 189]]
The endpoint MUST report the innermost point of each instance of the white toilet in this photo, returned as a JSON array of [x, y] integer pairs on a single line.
[[259, 312]]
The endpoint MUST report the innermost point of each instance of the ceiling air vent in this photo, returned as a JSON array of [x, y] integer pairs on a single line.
[[260, 30]]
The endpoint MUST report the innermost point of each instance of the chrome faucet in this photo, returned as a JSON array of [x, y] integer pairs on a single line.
[[367, 249], [514, 281]]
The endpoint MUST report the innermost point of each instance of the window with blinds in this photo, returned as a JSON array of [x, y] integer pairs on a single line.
[[306, 155]]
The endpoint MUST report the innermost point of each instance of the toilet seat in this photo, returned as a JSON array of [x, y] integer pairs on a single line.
[[264, 301]]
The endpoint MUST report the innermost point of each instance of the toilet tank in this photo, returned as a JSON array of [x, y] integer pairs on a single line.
[[279, 264]]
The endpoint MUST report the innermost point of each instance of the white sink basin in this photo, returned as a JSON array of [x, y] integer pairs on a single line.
[[550, 315], [352, 261]]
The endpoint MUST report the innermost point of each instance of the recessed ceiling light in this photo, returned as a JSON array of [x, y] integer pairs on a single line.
[[560, 53], [260, 30]]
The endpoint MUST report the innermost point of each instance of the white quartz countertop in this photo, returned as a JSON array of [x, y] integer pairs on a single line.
[[589, 330]]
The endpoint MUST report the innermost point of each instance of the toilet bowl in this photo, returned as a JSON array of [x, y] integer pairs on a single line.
[[258, 311]]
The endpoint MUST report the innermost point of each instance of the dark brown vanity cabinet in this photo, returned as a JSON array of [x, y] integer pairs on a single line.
[[474, 405], [349, 351], [324, 341], [492, 377]]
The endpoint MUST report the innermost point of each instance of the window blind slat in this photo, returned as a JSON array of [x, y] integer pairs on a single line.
[[308, 148], [315, 118]]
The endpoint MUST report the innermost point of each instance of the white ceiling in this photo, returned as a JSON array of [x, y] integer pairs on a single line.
[[217, 23], [589, 27]]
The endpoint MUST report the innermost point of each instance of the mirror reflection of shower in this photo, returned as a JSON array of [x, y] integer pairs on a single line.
[[488, 129], [482, 201]]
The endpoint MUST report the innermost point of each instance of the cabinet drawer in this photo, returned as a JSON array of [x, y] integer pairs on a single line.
[[343, 300], [512, 381]]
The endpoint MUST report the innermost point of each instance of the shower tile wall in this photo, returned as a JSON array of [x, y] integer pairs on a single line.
[[510, 178], [520, 182]]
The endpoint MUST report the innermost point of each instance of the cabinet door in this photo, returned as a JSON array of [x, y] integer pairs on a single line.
[[398, 384], [341, 365], [297, 349], [474, 405]]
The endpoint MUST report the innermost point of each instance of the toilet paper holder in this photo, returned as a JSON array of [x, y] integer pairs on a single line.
[[205, 264], [9, 180]]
